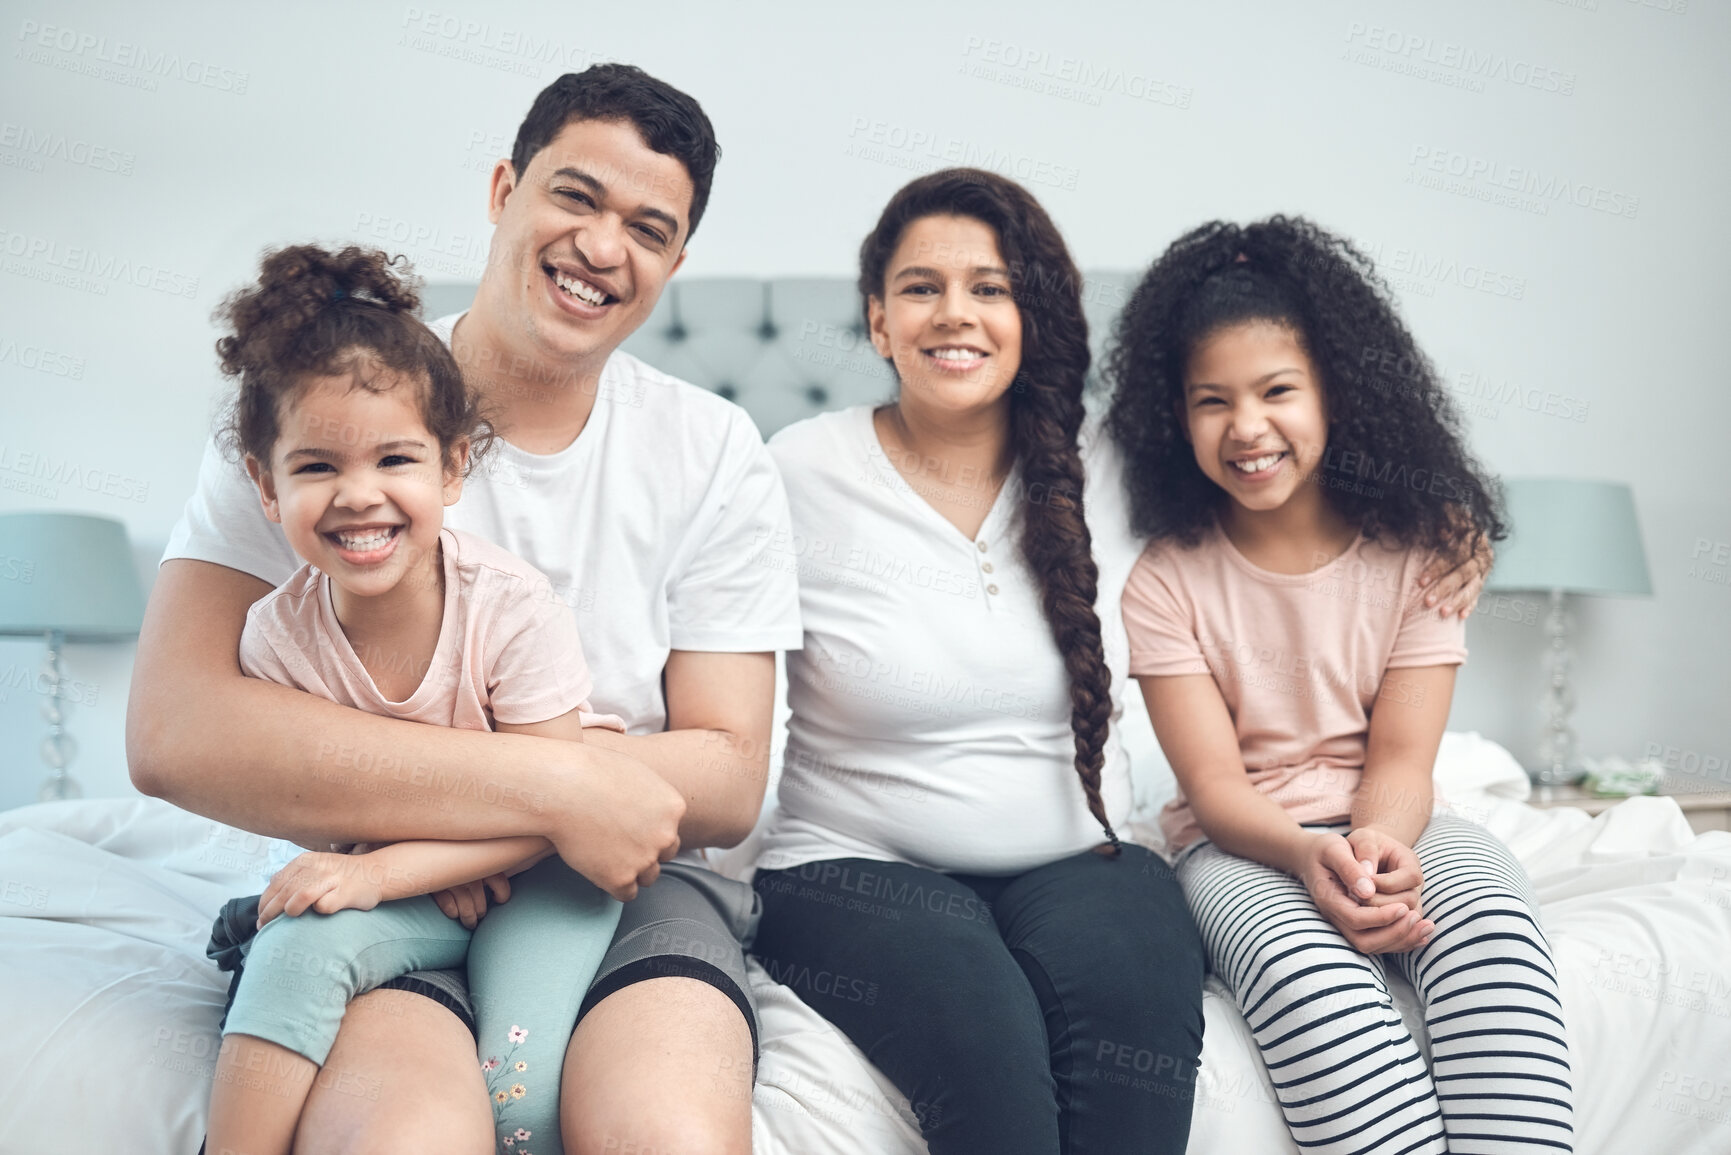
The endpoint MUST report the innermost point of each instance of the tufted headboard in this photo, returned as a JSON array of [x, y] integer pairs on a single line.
[[784, 349]]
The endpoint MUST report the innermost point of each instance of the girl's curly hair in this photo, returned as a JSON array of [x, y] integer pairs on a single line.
[[315, 313], [1045, 417], [1395, 464]]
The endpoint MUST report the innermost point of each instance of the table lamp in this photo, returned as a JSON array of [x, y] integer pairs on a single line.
[[1568, 537], [65, 577]]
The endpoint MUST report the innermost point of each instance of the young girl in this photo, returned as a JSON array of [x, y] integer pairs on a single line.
[[1296, 463], [357, 431]]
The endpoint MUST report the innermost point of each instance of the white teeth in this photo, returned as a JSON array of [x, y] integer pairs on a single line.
[[958, 354], [363, 542], [1257, 465], [579, 289]]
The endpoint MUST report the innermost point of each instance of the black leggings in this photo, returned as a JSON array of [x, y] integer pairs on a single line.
[[1055, 1011]]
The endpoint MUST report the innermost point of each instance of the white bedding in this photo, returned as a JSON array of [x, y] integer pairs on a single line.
[[109, 1034]]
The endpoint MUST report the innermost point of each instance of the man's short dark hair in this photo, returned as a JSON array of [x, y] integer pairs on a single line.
[[669, 121]]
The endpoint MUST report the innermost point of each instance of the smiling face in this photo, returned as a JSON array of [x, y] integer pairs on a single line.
[[947, 318], [1255, 415], [358, 483], [585, 239]]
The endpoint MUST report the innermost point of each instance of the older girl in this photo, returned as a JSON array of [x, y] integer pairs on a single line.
[[1300, 687]]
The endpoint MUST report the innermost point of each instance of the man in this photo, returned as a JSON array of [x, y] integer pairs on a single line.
[[646, 502]]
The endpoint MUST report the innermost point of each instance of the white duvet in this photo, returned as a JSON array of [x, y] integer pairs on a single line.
[[107, 1037]]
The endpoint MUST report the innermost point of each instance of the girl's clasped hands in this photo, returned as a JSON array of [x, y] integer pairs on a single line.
[[1367, 883]]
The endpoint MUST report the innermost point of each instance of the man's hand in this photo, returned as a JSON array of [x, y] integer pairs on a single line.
[[467, 901], [322, 882], [1342, 887], [625, 828], [1392, 865]]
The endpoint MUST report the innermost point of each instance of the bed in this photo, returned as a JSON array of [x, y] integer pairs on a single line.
[[110, 1026]]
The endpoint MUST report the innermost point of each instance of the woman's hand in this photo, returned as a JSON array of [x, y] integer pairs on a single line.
[[467, 901], [1392, 865], [322, 882], [1343, 889], [1452, 583]]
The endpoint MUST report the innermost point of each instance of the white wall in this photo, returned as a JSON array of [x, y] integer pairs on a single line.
[[234, 130]]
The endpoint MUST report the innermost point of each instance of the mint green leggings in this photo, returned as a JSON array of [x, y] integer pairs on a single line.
[[530, 962]]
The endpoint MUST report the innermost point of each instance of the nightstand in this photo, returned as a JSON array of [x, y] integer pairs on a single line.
[[1706, 804]]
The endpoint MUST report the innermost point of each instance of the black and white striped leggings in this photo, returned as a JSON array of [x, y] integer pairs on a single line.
[[1347, 1073]]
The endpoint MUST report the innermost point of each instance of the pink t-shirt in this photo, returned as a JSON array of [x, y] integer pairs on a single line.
[[507, 650], [1299, 658]]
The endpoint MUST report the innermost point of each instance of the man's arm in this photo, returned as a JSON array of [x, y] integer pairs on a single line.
[[422, 866], [715, 751], [272, 759]]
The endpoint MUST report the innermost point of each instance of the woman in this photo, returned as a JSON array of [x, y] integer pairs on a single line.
[[943, 879]]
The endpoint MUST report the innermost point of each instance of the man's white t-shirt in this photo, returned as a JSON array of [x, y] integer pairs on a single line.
[[930, 706], [652, 526]]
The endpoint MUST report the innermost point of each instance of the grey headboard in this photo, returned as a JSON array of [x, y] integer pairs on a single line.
[[786, 348]]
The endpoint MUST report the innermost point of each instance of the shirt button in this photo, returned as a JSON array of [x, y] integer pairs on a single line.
[[982, 546], [991, 589], [987, 566]]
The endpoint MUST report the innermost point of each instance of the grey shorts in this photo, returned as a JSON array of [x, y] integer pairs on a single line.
[[692, 923]]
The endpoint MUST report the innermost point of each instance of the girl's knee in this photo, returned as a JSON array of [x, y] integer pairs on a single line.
[[301, 939], [307, 954], [1486, 920]]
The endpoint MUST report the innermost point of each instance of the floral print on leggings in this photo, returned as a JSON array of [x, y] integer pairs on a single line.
[[505, 1085]]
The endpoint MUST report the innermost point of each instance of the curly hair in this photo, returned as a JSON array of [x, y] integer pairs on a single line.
[[1045, 417], [1395, 464], [315, 313]]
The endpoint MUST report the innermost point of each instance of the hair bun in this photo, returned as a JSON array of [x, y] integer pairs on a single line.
[[297, 283]]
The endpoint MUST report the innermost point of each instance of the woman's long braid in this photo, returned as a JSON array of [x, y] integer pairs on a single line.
[[1059, 550], [1045, 418]]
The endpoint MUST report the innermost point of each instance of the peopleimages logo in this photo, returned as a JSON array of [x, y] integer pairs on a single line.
[[84, 262], [1068, 77], [928, 149], [27, 355], [40, 145], [1421, 271], [79, 693], [1531, 189], [86, 52], [500, 47], [1465, 62], [39, 474]]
